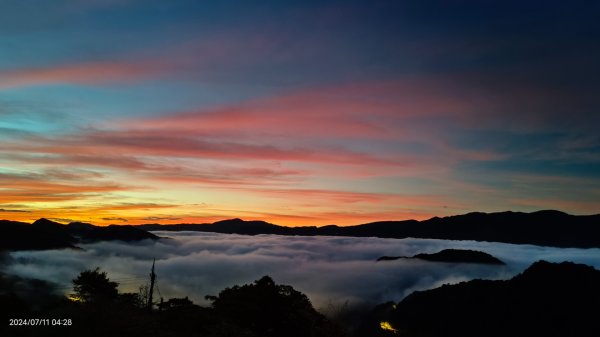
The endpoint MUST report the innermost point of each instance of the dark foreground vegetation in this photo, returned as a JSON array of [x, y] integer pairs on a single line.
[[547, 299], [96, 308]]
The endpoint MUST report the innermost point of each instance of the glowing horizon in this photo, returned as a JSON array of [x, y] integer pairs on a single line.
[[129, 112]]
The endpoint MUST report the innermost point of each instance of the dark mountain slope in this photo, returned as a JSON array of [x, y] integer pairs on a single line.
[[547, 299], [90, 233], [545, 228], [47, 234], [231, 226], [42, 234], [452, 256]]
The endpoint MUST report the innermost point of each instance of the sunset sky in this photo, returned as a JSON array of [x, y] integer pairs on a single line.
[[297, 112]]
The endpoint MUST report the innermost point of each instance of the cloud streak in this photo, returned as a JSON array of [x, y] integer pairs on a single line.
[[4, 210], [85, 73], [37, 187]]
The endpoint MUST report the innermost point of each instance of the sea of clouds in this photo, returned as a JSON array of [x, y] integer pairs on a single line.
[[330, 270]]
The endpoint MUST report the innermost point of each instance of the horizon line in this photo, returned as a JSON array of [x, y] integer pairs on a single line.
[[63, 222]]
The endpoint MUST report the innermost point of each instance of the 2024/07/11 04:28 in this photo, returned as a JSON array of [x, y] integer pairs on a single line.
[[39, 322]]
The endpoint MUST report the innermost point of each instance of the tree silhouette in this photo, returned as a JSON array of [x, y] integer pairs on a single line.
[[94, 286], [267, 309]]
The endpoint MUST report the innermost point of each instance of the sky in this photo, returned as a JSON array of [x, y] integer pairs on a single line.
[[297, 112]]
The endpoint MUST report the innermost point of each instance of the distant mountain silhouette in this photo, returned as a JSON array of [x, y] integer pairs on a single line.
[[47, 234], [451, 255], [231, 226], [90, 233], [42, 234], [547, 299], [546, 228]]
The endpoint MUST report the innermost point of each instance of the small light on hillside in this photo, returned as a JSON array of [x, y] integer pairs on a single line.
[[387, 326]]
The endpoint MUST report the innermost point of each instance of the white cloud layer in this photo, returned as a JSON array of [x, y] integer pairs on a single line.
[[330, 270]]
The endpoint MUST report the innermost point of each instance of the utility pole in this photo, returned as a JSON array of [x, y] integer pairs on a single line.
[[152, 278]]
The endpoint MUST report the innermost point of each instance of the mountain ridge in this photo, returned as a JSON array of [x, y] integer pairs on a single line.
[[544, 228], [48, 234], [451, 256]]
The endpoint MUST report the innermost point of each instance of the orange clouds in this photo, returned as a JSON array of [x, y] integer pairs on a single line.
[[37, 187], [344, 197]]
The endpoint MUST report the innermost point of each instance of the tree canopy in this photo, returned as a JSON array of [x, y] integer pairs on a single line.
[[94, 286], [265, 309]]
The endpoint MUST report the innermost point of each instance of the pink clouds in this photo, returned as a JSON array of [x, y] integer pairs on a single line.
[[171, 144], [181, 59], [354, 111], [230, 177], [83, 73]]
